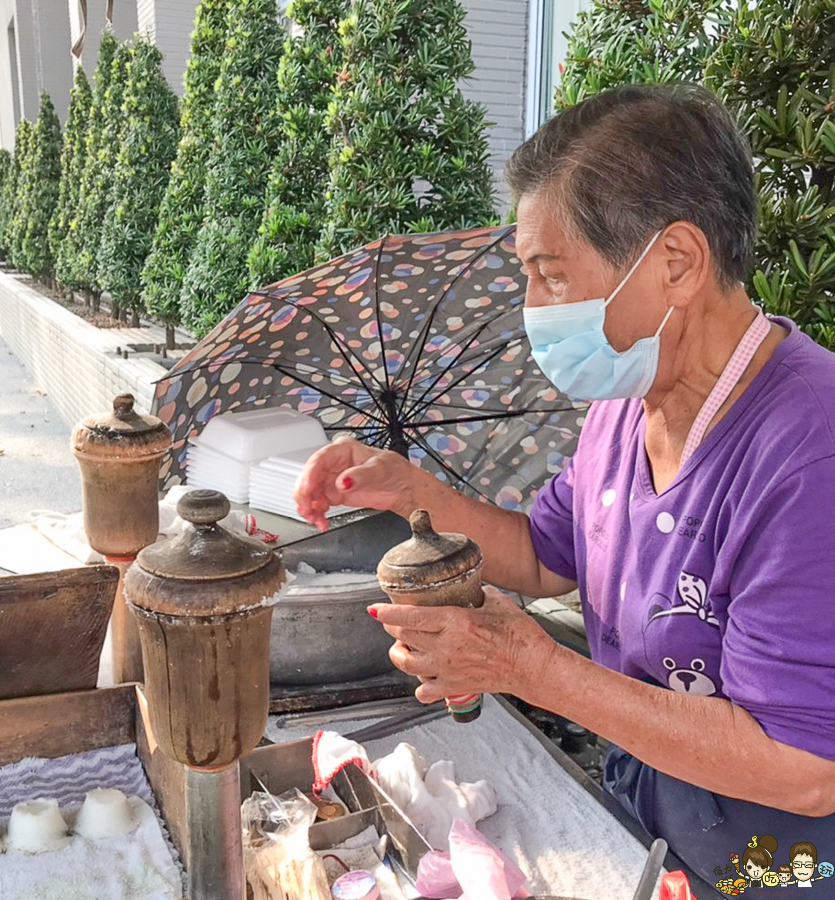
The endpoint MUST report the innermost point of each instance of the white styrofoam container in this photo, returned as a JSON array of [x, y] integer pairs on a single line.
[[283, 508], [258, 433], [225, 473]]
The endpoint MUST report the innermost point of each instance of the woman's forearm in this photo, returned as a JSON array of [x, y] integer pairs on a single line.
[[502, 534], [705, 741]]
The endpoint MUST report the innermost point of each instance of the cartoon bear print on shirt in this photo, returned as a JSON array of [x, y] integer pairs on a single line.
[[689, 679], [682, 642]]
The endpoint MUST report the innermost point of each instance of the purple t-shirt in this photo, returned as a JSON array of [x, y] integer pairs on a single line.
[[723, 585]]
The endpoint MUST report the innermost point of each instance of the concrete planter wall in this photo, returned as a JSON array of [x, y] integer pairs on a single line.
[[73, 361]]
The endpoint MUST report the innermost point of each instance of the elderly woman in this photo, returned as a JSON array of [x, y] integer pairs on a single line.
[[694, 516]]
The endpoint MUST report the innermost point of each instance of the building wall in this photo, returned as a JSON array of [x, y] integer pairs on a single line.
[[34, 57], [169, 26], [124, 27], [26, 59], [498, 30], [9, 84], [53, 61]]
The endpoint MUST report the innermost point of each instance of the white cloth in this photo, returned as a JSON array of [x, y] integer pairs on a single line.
[[135, 866], [67, 533], [428, 795], [547, 822]]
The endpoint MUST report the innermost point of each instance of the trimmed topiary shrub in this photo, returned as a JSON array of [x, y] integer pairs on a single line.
[[409, 152], [102, 148], [75, 266], [182, 210], [295, 206], [246, 137], [24, 139], [73, 163], [6, 176], [42, 197], [148, 143]]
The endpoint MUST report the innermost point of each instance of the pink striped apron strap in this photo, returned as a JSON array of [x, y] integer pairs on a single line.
[[728, 380]]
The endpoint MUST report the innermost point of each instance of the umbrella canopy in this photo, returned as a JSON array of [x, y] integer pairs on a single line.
[[414, 342]]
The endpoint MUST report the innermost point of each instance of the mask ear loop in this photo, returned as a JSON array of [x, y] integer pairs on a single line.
[[661, 327], [635, 265]]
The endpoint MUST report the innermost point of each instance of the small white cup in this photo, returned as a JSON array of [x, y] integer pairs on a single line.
[[37, 826], [104, 813]]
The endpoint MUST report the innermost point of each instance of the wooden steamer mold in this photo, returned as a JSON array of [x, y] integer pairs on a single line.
[[202, 602], [432, 569], [119, 454]]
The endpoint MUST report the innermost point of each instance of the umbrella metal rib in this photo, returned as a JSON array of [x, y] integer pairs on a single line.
[[431, 317], [482, 358], [377, 311], [343, 349]]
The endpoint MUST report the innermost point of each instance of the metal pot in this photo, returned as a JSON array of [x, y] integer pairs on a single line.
[[328, 639], [332, 639]]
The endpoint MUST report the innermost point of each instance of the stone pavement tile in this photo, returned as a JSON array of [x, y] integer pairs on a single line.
[[37, 469]]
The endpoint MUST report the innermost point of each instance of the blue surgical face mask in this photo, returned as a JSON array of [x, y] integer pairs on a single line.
[[570, 347]]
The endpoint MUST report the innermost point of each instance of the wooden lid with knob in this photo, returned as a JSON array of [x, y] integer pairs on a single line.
[[120, 433], [206, 570], [428, 558]]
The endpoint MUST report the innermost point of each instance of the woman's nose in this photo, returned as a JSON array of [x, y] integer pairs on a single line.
[[535, 294]]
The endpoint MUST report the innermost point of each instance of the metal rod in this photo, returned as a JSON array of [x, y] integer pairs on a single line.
[[655, 859], [215, 846], [420, 715]]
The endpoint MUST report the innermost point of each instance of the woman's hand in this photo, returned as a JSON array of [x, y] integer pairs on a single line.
[[497, 648], [347, 472]]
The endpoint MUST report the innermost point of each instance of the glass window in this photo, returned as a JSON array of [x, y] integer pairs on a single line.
[[549, 20]]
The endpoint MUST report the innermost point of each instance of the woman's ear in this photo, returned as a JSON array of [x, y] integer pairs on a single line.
[[686, 262]]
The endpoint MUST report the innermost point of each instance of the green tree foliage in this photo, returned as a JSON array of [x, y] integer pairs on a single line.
[[775, 68], [73, 161], [103, 143], [42, 193], [246, 136], [73, 261], [773, 64], [24, 139], [149, 136], [6, 176], [634, 41], [409, 152], [181, 213], [295, 205]]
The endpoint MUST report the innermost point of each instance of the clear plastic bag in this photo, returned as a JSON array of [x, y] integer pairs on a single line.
[[278, 861]]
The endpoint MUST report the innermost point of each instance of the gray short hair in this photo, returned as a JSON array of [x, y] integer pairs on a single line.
[[629, 161]]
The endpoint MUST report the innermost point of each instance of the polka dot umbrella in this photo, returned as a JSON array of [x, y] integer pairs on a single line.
[[414, 342]]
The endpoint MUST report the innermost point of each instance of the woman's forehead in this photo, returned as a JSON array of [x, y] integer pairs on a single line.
[[540, 237]]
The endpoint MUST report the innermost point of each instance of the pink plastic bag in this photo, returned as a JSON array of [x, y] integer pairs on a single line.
[[473, 869]]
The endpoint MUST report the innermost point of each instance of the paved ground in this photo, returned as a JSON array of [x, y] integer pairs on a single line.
[[37, 470]]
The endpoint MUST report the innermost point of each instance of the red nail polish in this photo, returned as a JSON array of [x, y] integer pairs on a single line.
[[347, 484], [371, 611]]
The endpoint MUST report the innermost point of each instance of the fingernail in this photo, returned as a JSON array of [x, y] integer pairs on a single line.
[[372, 612], [347, 483]]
